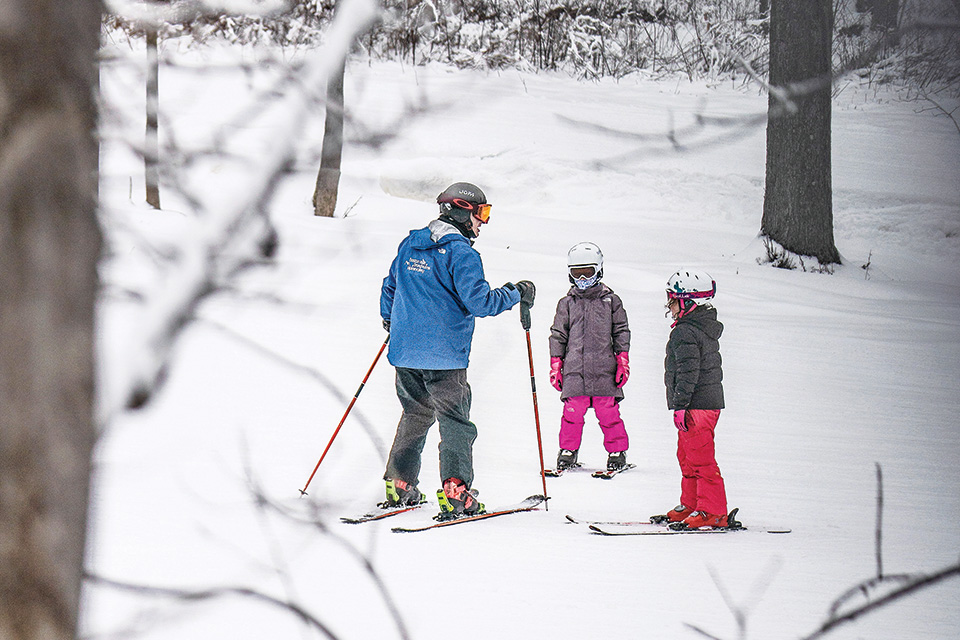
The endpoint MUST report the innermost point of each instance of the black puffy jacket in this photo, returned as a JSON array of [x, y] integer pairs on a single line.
[[693, 373]]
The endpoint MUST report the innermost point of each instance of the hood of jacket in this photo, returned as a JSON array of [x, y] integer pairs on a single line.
[[705, 319], [437, 233]]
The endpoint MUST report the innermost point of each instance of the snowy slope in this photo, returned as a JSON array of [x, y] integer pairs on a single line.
[[824, 375]]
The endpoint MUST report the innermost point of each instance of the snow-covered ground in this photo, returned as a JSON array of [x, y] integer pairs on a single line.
[[825, 376]]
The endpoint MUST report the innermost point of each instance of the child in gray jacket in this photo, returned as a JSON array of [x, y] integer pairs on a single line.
[[589, 358]]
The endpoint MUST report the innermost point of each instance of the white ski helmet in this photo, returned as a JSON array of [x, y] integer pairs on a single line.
[[584, 264], [687, 284]]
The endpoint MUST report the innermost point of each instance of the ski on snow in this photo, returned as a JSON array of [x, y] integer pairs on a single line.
[[383, 512], [529, 504], [619, 523], [606, 475], [656, 530], [659, 525], [601, 473]]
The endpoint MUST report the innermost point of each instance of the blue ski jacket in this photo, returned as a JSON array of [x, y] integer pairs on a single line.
[[431, 296]]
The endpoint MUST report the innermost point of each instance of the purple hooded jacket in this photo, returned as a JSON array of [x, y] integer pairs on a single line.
[[589, 329]]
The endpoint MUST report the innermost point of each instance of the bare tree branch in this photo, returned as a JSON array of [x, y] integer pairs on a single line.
[[153, 13], [314, 374], [214, 593], [916, 583], [203, 260]]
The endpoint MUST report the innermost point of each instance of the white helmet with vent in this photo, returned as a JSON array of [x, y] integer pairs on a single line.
[[687, 284], [585, 265]]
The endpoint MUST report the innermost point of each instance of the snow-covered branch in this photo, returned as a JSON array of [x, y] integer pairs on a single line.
[[158, 13], [237, 219]]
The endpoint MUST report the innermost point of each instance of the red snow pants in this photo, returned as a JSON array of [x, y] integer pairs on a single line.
[[608, 415], [702, 485]]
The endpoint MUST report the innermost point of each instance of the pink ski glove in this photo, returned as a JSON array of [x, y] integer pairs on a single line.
[[556, 376], [623, 368], [679, 419]]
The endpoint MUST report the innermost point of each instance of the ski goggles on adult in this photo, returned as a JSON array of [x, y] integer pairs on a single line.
[[583, 273], [480, 211]]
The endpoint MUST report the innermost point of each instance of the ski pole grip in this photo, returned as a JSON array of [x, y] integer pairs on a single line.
[[525, 316]]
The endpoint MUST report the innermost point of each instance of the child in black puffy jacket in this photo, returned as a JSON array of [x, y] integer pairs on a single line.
[[693, 377]]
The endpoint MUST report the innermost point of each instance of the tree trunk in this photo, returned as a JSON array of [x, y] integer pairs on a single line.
[[328, 179], [151, 148], [885, 14], [49, 247], [798, 197]]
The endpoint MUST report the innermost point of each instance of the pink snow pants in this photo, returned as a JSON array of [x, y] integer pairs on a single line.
[[608, 415], [702, 485]]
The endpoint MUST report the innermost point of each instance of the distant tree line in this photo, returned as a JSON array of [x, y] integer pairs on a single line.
[[612, 38]]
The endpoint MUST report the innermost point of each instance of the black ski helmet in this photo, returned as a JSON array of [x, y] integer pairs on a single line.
[[459, 201]]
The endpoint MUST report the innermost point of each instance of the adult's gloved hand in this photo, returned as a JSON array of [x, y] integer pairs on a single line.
[[386, 325], [623, 368], [527, 292], [556, 373], [679, 419]]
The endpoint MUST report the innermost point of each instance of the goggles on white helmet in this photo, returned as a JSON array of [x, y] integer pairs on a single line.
[[696, 286], [584, 265]]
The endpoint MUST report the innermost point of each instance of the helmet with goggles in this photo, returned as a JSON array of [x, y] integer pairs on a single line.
[[461, 201], [695, 286], [584, 265]]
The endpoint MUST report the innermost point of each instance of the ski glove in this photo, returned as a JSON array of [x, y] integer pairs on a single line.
[[623, 368], [556, 375], [527, 292], [679, 419], [386, 325]]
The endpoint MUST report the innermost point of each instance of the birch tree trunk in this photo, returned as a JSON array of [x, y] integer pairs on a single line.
[[151, 156], [328, 178], [49, 246]]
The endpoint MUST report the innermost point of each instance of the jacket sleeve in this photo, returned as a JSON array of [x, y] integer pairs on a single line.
[[387, 291], [687, 353], [620, 329], [560, 330], [475, 293]]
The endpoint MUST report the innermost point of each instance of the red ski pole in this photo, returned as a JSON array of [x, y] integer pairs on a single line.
[[525, 322], [303, 491]]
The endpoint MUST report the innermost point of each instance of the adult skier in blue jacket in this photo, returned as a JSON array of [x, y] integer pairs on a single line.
[[429, 300]]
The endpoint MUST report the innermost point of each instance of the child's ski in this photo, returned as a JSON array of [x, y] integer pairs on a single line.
[[663, 531], [609, 474], [529, 504], [556, 473], [619, 523], [383, 512], [661, 525]]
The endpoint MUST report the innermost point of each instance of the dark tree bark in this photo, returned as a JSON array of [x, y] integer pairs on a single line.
[[798, 197], [151, 155], [49, 247], [885, 14], [328, 178]]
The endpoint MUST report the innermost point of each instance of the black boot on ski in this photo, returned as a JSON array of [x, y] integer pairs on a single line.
[[402, 494], [457, 501], [616, 460], [567, 459]]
